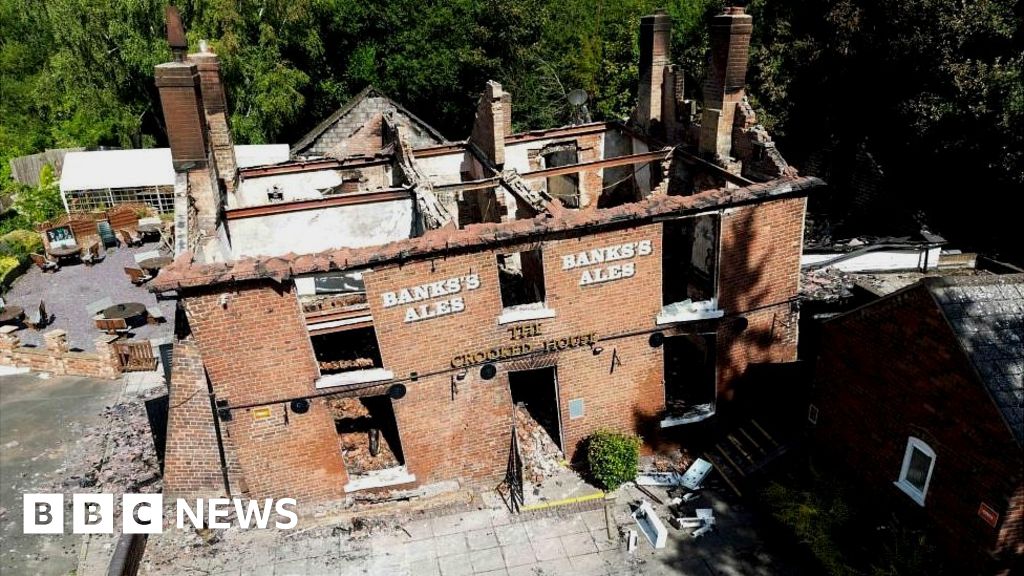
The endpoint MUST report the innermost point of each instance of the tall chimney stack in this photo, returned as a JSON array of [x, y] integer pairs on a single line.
[[180, 98], [655, 53], [723, 89], [489, 127], [215, 107]]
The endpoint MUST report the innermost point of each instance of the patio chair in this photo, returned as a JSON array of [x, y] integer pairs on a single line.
[[127, 238], [154, 315], [38, 318], [44, 263], [137, 276], [98, 306], [91, 255], [112, 325]]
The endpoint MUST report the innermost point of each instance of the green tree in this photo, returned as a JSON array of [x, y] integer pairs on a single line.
[[42, 203]]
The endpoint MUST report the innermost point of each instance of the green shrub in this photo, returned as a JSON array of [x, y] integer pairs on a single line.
[[613, 457], [20, 243], [7, 265]]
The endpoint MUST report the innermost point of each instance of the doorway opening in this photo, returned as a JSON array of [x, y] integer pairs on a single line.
[[369, 441], [536, 392], [690, 386]]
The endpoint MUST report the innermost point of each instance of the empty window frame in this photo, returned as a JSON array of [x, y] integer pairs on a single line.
[[521, 277], [347, 350], [690, 259], [916, 472], [564, 187]]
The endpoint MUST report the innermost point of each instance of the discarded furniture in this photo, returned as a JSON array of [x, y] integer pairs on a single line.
[[154, 315], [135, 356], [98, 306], [701, 524], [44, 263], [38, 318], [11, 315], [650, 525], [695, 474], [137, 276], [112, 325]]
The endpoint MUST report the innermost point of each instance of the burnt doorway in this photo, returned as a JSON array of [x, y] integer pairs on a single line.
[[536, 392], [368, 433], [690, 383]]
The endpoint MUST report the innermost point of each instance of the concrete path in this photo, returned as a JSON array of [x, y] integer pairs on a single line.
[[39, 424]]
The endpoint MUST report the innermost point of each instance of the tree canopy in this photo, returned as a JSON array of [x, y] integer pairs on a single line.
[[926, 84]]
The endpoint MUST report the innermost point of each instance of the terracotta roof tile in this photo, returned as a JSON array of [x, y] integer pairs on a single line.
[[184, 273]]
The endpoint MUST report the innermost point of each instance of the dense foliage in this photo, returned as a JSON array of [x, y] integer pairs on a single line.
[[612, 458], [932, 87]]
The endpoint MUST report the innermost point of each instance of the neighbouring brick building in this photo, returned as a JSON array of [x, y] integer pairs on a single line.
[[409, 292], [920, 401]]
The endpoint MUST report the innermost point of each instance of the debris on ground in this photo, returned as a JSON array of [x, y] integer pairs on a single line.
[[116, 456], [541, 457], [354, 423], [825, 284]]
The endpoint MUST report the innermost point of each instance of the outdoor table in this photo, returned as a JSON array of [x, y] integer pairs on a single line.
[[149, 229], [155, 263], [127, 311], [11, 314], [64, 251]]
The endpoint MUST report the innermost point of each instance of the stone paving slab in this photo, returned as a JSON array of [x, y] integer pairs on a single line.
[[69, 290]]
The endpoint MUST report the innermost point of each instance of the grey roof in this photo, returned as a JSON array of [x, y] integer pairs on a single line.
[[370, 90], [987, 316]]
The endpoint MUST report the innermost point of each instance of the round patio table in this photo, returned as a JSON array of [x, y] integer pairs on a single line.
[[155, 263], [11, 314], [127, 310], [64, 251]]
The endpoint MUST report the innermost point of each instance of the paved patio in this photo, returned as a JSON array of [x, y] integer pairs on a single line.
[[68, 291], [481, 542]]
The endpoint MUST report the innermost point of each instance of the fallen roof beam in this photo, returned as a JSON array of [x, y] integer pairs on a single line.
[[388, 195], [468, 185], [312, 165], [641, 158]]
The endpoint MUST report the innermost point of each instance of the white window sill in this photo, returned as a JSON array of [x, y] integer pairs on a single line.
[[509, 315], [911, 491], [380, 479], [688, 311], [354, 377], [698, 413]]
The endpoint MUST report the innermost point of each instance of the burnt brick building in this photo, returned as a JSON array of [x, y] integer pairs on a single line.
[[920, 402], [390, 285]]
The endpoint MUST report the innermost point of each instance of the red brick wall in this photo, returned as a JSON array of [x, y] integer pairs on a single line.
[[759, 273], [192, 466], [468, 437], [256, 348], [894, 370]]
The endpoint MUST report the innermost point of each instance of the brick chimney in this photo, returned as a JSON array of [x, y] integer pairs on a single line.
[[215, 107], [490, 125], [655, 53], [198, 197], [180, 98], [723, 89]]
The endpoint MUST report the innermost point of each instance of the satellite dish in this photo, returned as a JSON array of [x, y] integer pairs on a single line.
[[577, 97]]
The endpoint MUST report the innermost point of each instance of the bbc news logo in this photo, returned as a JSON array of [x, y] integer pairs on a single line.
[[144, 513]]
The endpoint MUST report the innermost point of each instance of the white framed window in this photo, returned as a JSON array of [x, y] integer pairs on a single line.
[[916, 473]]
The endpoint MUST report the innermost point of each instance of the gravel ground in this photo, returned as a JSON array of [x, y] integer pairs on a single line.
[[68, 291]]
